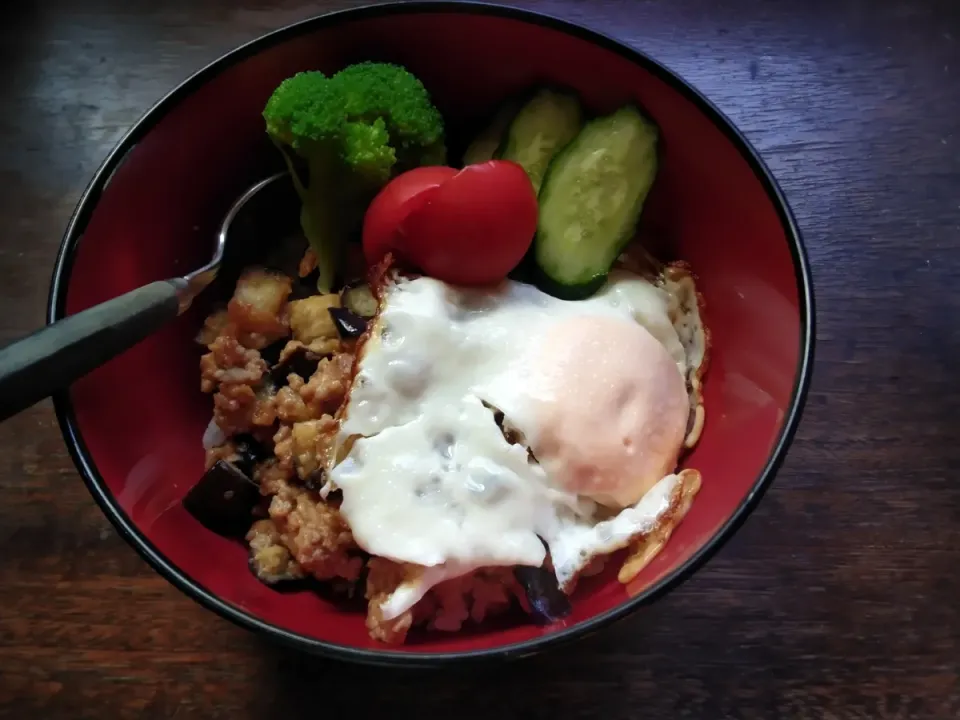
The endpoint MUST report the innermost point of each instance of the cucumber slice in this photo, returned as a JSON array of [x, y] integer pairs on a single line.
[[545, 124], [591, 200], [486, 143]]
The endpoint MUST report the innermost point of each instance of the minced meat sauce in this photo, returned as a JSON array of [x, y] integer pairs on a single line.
[[293, 419], [288, 409]]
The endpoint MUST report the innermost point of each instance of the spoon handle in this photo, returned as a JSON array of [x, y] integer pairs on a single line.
[[52, 358]]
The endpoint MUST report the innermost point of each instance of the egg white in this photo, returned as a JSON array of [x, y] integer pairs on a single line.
[[428, 478]]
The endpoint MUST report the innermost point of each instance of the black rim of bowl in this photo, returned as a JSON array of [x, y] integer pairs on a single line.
[[110, 506]]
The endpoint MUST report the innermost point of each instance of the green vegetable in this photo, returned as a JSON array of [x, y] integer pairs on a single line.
[[544, 125], [591, 200], [356, 130], [487, 142]]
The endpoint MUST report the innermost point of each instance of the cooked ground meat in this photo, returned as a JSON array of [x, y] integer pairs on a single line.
[[445, 607], [302, 449], [311, 442], [272, 476], [270, 559], [304, 534], [283, 449], [230, 362], [264, 409], [383, 577], [327, 388], [233, 408], [290, 405], [238, 409], [321, 395], [316, 534]]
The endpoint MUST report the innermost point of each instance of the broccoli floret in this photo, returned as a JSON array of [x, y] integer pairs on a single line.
[[356, 130]]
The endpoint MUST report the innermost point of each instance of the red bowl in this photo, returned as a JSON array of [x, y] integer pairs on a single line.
[[134, 426]]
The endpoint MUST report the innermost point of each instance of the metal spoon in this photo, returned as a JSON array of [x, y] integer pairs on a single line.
[[52, 358]]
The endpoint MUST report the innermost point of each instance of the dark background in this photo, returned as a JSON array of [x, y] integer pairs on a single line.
[[839, 598]]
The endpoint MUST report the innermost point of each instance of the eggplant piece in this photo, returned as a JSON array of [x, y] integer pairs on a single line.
[[302, 362], [349, 325], [547, 601], [224, 500], [249, 452], [315, 480], [359, 299], [271, 353]]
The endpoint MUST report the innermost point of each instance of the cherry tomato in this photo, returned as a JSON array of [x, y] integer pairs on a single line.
[[392, 205], [474, 228]]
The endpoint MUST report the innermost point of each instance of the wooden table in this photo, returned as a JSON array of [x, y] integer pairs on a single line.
[[840, 597]]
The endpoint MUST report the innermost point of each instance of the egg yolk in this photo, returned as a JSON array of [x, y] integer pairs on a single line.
[[612, 409]]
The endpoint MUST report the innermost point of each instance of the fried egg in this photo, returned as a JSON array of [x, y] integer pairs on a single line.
[[503, 426]]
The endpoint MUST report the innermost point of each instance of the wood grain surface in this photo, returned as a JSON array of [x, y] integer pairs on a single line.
[[839, 598]]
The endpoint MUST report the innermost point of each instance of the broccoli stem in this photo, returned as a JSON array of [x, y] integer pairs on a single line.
[[318, 215], [319, 210]]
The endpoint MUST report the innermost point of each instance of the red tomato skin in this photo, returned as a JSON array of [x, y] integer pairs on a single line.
[[393, 203], [474, 228]]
